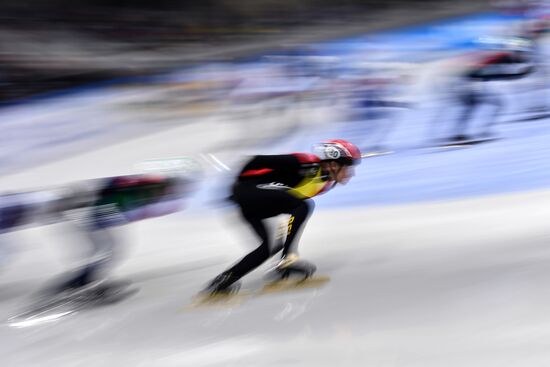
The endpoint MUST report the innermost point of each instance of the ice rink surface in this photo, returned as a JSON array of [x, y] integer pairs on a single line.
[[436, 258]]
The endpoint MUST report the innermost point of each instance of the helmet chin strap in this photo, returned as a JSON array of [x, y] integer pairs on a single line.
[[335, 173]]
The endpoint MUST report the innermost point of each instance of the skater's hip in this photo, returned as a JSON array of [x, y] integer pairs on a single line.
[[264, 203]]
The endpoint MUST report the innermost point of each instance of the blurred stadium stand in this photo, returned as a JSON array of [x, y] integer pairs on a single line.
[[55, 44]]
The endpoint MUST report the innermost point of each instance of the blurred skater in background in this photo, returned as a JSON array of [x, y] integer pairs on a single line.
[[95, 208]]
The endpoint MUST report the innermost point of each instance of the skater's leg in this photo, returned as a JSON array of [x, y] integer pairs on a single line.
[[100, 260], [281, 231], [295, 226], [497, 104], [102, 245], [469, 104], [256, 205], [256, 257]]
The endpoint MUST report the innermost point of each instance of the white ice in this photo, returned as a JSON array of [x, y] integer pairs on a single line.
[[455, 283]]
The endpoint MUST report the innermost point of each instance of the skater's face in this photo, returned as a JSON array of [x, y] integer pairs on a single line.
[[341, 173]]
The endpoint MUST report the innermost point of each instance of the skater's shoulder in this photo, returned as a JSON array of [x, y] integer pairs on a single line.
[[306, 158], [281, 160]]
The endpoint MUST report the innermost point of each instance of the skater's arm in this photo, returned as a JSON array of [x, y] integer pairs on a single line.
[[263, 164], [502, 67]]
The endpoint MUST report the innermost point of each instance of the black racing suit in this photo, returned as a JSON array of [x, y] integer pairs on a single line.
[[270, 185], [498, 66]]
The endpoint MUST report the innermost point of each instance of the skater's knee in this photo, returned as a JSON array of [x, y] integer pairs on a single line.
[[264, 252], [261, 253], [305, 208], [303, 211]]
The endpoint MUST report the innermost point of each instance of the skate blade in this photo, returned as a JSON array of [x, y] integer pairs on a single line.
[[460, 144], [219, 300], [46, 313], [293, 284], [57, 309], [21, 321], [440, 148]]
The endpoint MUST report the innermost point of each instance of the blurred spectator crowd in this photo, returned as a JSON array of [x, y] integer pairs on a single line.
[[54, 44]]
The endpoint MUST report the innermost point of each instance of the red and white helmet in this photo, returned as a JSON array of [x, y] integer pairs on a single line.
[[338, 150]]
